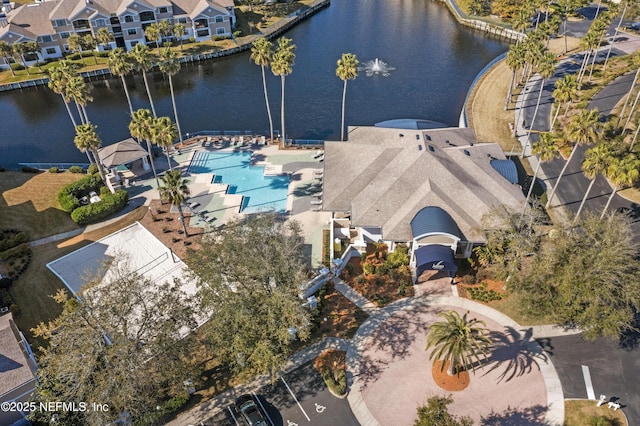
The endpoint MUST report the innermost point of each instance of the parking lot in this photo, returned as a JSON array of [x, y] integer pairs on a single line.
[[297, 398]]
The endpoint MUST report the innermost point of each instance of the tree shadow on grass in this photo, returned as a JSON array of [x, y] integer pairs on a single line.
[[514, 352], [529, 416]]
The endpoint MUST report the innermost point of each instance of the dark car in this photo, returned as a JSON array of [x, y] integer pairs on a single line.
[[250, 411]]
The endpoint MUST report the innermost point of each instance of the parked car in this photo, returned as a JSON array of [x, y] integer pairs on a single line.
[[633, 26], [250, 411]]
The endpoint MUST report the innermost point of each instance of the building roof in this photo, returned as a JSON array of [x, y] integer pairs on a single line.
[[431, 220], [15, 366], [122, 152], [30, 20], [384, 177], [506, 168], [144, 253]]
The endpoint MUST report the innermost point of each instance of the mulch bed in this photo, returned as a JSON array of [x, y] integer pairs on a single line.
[[491, 285], [343, 317], [454, 383], [381, 290], [330, 359], [167, 228]]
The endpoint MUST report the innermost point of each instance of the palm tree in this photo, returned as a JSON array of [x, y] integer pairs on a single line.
[[596, 160], [75, 43], [546, 67], [628, 96], [18, 50], [615, 37], [140, 128], [33, 48], [174, 189], [281, 65], [565, 92], [458, 340], [90, 42], [119, 65], [347, 70], [5, 52], [166, 28], [152, 32], [590, 42], [164, 133], [87, 139], [178, 32], [546, 149], [58, 79], [78, 91], [141, 56], [104, 37], [261, 55], [515, 61], [621, 172], [583, 129], [170, 65]]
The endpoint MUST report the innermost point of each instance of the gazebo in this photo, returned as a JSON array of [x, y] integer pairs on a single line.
[[122, 153]]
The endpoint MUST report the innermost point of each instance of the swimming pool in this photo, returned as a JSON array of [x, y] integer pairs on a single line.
[[261, 193]]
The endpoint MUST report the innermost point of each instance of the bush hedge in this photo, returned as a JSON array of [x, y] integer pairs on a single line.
[[69, 196], [12, 241], [54, 169], [338, 385], [93, 169], [75, 169], [109, 204], [14, 251]]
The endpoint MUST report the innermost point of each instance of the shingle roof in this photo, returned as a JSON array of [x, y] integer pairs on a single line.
[[122, 152], [14, 366], [32, 18], [384, 177]]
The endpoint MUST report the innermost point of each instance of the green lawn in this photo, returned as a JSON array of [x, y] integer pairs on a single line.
[[29, 203], [509, 307], [583, 412]]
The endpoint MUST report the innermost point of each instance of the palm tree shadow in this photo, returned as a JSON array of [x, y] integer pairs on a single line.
[[528, 416], [513, 352]]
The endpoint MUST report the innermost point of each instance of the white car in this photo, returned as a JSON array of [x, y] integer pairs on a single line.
[[93, 197]]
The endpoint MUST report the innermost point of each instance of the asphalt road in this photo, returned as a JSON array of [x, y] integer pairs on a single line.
[[574, 184], [299, 398], [613, 368]]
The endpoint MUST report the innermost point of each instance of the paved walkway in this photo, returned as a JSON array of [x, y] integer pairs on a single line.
[[388, 367]]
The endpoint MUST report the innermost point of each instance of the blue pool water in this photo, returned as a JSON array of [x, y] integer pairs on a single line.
[[261, 193]]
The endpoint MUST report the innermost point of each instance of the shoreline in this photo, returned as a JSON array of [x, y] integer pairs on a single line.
[[278, 28]]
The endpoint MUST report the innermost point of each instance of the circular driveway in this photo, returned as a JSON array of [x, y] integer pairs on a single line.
[[394, 373]]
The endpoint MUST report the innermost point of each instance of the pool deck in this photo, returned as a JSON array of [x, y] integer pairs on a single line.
[[213, 206]]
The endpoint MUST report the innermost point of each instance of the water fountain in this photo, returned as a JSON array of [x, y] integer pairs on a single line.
[[376, 67]]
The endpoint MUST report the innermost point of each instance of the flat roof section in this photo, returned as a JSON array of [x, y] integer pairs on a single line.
[[145, 253]]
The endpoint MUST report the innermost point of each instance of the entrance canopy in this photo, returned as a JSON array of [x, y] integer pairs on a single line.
[[435, 257]]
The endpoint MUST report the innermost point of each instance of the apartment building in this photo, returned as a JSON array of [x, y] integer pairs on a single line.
[[51, 23]]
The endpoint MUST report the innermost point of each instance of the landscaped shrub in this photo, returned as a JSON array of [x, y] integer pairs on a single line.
[[192, 39], [15, 251], [93, 169], [9, 241], [337, 384], [109, 205], [69, 196], [5, 298], [368, 268], [16, 66], [5, 282], [482, 294], [27, 169], [53, 169], [399, 257], [75, 169]]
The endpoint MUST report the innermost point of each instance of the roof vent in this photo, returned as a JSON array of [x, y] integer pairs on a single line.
[[419, 147], [427, 137], [417, 137], [470, 143], [401, 135], [467, 153], [431, 148]]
